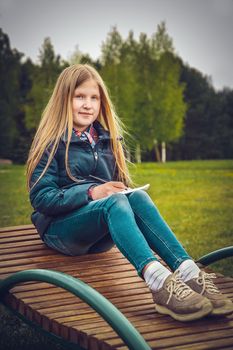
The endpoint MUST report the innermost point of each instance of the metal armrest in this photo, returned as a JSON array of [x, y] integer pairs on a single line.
[[216, 255]]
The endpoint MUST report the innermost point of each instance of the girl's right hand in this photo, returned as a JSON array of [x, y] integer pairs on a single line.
[[107, 189]]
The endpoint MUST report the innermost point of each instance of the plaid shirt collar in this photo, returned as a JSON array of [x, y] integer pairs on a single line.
[[101, 132], [90, 134]]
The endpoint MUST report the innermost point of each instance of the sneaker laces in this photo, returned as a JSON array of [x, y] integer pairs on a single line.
[[177, 287], [205, 280]]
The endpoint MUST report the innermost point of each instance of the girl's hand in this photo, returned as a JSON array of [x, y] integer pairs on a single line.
[[107, 189]]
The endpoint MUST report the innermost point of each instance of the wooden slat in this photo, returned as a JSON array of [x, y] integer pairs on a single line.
[[21, 232], [112, 275], [20, 245], [17, 228], [6, 270]]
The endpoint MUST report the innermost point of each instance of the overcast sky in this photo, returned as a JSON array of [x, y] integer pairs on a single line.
[[201, 29]]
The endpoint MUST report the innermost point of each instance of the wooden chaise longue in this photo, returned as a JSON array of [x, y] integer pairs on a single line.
[[97, 301]]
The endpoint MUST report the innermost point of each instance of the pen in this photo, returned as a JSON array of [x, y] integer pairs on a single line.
[[98, 178], [102, 180]]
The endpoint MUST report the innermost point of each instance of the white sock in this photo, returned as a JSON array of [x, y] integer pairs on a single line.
[[188, 270], [155, 275]]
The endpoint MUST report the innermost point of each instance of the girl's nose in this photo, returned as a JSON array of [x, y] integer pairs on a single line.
[[87, 104]]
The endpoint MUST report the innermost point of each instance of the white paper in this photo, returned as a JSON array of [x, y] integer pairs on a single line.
[[129, 190]]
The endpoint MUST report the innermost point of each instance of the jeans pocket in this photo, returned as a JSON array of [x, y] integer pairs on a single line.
[[54, 242]]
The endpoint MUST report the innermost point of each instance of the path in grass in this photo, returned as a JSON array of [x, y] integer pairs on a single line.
[[195, 197]]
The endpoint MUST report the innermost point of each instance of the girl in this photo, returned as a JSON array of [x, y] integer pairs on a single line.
[[76, 171]]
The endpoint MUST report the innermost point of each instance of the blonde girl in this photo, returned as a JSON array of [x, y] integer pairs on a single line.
[[76, 171]]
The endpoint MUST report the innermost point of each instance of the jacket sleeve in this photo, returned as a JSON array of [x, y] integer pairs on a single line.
[[48, 198]]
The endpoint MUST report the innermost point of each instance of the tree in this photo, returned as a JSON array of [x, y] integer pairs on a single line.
[[225, 124], [9, 95], [43, 77], [200, 98], [168, 103], [128, 94], [77, 57], [118, 71], [144, 81], [24, 137], [111, 48], [49, 62], [159, 107], [142, 112], [110, 60], [161, 42]]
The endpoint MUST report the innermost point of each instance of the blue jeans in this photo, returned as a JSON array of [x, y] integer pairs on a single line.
[[132, 222]]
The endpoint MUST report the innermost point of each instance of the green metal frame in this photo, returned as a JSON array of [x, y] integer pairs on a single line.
[[216, 255], [99, 303]]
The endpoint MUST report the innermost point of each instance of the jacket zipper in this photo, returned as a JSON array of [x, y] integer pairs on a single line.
[[96, 156], [94, 152]]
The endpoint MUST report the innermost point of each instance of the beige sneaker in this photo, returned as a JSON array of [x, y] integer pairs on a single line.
[[179, 301], [204, 285]]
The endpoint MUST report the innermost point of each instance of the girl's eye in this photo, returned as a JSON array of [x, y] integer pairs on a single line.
[[81, 97]]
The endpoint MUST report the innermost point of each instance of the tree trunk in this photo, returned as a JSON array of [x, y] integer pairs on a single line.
[[138, 153], [163, 152], [157, 153], [128, 155]]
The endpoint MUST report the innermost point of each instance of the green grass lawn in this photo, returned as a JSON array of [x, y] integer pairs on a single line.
[[195, 198]]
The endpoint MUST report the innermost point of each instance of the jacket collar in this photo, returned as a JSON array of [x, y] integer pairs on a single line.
[[102, 134]]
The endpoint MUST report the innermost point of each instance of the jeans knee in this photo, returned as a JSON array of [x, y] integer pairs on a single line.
[[117, 201], [141, 199], [139, 196]]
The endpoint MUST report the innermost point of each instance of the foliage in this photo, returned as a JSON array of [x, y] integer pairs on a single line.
[[77, 57], [157, 96], [111, 48], [116, 71], [144, 80], [43, 77], [208, 127], [167, 100], [9, 94], [161, 42]]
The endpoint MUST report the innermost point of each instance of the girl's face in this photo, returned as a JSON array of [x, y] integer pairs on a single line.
[[85, 104]]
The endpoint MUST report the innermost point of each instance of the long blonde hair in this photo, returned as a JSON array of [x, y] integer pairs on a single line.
[[57, 118]]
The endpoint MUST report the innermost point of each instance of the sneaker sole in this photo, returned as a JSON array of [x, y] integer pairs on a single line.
[[221, 312], [207, 308]]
